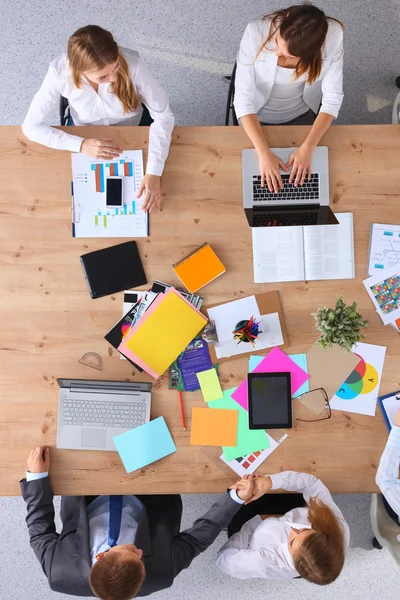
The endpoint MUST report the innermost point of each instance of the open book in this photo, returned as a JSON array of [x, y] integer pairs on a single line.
[[304, 253]]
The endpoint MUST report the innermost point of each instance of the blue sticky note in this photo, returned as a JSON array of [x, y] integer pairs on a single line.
[[299, 359], [145, 444]]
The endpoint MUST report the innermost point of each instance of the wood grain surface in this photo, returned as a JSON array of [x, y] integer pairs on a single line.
[[48, 320]]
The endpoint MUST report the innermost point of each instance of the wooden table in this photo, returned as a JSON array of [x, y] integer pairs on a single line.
[[48, 320]]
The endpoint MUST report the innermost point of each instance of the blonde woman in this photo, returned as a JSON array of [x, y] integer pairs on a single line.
[[309, 540], [104, 84], [289, 69]]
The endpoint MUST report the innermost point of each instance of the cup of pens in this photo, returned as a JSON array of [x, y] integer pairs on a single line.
[[247, 331]]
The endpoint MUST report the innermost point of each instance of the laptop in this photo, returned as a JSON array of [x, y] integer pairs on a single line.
[[91, 413], [307, 204]]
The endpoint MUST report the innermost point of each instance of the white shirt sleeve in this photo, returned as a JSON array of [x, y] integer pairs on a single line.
[[245, 80], [35, 125], [235, 497], [387, 476], [311, 487], [236, 559], [156, 100], [33, 476], [332, 82]]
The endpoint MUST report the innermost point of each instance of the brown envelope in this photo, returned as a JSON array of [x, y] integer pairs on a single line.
[[329, 368]]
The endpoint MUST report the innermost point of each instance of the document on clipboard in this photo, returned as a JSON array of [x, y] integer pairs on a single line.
[[390, 404]]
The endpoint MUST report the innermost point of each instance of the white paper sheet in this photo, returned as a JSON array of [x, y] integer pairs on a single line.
[[278, 254], [384, 248], [226, 316], [384, 291], [359, 393], [91, 218], [246, 465]]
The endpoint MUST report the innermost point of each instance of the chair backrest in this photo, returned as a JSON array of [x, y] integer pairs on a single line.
[[386, 531], [230, 109], [396, 110], [63, 111]]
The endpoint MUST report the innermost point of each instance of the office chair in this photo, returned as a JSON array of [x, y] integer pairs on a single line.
[[396, 106], [231, 94], [386, 531], [65, 114]]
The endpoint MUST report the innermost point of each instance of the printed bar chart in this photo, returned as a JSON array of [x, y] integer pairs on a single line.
[[113, 168], [99, 176], [102, 218]]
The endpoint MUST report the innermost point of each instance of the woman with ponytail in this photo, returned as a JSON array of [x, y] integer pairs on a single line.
[[289, 68], [308, 541], [104, 84]]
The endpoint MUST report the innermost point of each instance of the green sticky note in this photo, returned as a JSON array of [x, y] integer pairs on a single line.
[[248, 440], [209, 384]]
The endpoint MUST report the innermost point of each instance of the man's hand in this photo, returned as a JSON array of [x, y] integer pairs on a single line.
[[151, 187], [260, 486], [397, 420], [39, 460]]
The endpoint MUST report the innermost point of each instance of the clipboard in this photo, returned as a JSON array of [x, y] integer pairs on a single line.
[[388, 403], [268, 302]]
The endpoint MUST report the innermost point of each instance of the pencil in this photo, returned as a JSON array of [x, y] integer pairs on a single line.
[[182, 411]]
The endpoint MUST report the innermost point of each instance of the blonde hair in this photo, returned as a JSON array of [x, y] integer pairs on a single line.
[[304, 28], [320, 558], [92, 48], [112, 578]]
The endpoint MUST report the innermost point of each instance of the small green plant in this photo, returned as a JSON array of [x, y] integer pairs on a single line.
[[341, 325]]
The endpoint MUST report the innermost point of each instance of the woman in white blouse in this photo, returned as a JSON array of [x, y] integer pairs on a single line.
[[287, 64], [308, 541], [104, 84]]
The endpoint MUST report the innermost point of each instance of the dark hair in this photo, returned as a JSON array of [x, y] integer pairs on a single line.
[[320, 558], [116, 578], [304, 28]]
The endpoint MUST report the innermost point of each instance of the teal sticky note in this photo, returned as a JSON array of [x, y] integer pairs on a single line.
[[248, 440], [145, 444], [299, 359]]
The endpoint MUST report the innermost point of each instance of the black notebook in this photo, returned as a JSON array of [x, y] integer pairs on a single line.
[[113, 269]]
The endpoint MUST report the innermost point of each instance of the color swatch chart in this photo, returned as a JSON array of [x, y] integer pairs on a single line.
[[387, 294], [91, 216]]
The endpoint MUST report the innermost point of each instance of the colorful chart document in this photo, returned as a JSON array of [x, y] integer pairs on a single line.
[[90, 217], [209, 384], [246, 465], [144, 445], [248, 440], [384, 291], [217, 427]]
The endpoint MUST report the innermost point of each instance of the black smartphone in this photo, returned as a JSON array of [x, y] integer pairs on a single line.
[[114, 192]]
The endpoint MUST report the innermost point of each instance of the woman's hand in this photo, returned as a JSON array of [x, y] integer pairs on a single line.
[[300, 161], [151, 187], [100, 148], [261, 486], [269, 169]]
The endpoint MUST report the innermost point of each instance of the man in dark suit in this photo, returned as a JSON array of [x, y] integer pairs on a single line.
[[116, 547]]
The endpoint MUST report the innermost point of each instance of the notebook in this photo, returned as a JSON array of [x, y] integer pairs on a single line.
[[304, 253], [163, 332], [384, 247], [113, 269], [199, 268]]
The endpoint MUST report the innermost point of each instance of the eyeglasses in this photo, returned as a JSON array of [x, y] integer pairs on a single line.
[[327, 405]]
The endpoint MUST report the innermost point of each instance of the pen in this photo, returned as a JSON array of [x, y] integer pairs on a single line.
[[182, 411]]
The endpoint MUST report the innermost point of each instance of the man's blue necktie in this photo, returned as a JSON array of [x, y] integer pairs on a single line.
[[114, 524]]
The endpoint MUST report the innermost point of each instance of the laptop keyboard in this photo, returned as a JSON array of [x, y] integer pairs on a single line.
[[104, 414], [308, 191], [286, 218]]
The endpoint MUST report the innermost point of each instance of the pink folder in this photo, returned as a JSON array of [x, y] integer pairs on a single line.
[[275, 362]]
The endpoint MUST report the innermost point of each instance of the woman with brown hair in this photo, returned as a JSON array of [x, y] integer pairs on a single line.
[[289, 68], [309, 541], [104, 84]]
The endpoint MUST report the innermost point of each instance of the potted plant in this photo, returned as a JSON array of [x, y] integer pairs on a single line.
[[341, 325]]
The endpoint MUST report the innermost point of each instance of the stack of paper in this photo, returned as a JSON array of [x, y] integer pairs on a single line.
[[162, 333]]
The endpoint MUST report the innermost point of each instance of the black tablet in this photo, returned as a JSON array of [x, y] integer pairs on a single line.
[[270, 400]]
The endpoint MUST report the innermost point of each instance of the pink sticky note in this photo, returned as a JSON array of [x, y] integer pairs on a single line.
[[275, 362]]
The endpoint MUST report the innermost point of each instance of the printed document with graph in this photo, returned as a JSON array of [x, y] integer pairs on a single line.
[[384, 248], [90, 217]]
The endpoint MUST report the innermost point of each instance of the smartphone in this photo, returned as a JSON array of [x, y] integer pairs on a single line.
[[114, 192]]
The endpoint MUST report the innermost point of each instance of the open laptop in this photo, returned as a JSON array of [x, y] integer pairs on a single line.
[[91, 413], [307, 204]]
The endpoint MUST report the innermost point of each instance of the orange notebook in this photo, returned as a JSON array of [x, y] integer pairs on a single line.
[[199, 268]]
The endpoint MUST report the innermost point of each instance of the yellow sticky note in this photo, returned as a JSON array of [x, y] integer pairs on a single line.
[[209, 384], [166, 333], [214, 427]]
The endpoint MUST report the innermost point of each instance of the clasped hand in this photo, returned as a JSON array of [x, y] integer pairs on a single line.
[[299, 164], [252, 487]]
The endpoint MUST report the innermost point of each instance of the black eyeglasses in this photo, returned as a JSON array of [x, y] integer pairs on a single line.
[[327, 405]]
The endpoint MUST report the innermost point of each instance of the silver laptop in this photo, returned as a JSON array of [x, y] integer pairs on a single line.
[[307, 204], [91, 413]]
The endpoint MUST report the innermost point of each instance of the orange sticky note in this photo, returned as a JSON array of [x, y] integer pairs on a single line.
[[214, 427]]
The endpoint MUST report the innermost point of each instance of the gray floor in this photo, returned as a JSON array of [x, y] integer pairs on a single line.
[[189, 46]]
